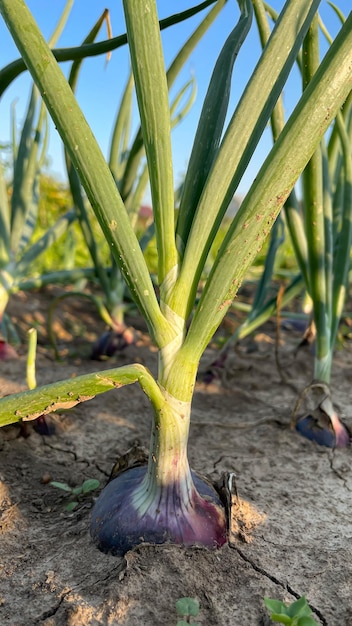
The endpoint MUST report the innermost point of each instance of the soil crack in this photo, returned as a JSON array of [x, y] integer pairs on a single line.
[[101, 470], [116, 573], [336, 471], [74, 454], [275, 580], [85, 583], [58, 449], [51, 612]]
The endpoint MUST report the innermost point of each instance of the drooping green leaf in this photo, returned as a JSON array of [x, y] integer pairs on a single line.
[[64, 395], [9, 73]]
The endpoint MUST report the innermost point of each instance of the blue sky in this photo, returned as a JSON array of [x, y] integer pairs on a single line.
[[101, 83]]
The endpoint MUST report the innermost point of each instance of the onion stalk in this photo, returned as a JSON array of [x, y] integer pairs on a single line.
[[165, 501]]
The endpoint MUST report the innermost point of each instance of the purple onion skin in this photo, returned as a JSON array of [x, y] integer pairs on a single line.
[[116, 526], [40, 425], [336, 435], [7, 352], [110, 342]]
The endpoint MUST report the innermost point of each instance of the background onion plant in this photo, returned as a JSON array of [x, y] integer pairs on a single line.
[[165, 500], [320, 227], [324, 253], [319, 224], [19, 205]]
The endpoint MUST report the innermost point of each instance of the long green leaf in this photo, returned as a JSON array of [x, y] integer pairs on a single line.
[[277, 237], [211, 124], [61, 277], [24, 173], [344, 241], [293, 213], [24, 202], [120, 136], [75, 184], [4, 221], [29, 191], [178, 114], [14, 132], [136, 192], [137, 149], [267, 310], [191, 43], [59, 27], [314, 210], [153, 103]]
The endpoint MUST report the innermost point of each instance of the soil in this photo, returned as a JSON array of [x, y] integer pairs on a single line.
[[292, 528]]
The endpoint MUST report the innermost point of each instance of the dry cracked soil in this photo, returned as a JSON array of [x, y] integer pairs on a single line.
[[291, 530]]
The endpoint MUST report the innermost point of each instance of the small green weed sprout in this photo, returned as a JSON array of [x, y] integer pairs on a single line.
[[187, 608], [298, 613], [76, 493]]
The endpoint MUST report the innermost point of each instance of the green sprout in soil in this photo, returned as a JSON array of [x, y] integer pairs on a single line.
[[298, 613], [76, 494], [187, 608]]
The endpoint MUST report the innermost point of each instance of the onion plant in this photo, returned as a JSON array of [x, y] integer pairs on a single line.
[[166, 501], [18, 216], [327, 220], [19, 208], [320, 227]]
